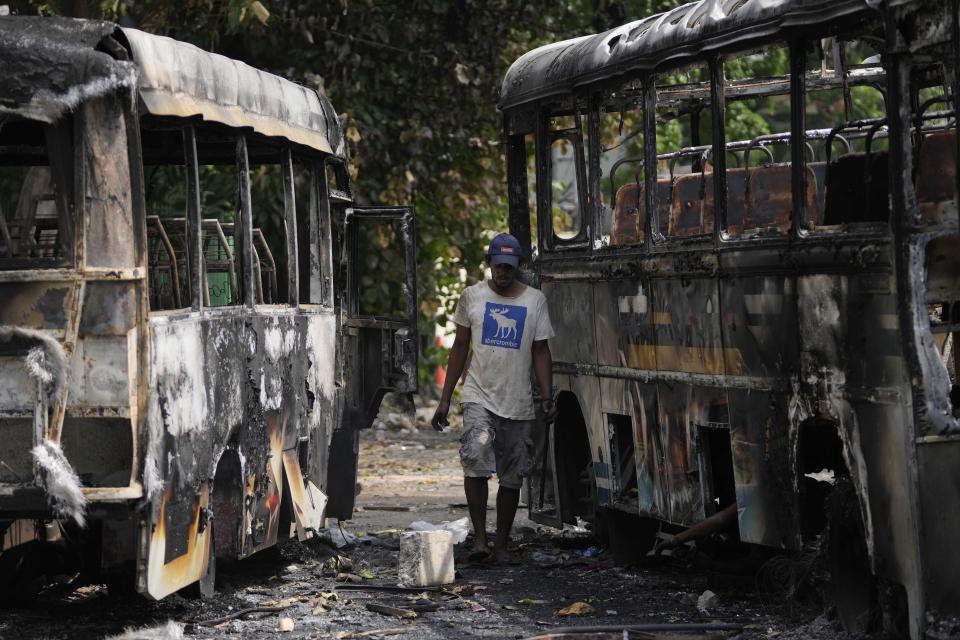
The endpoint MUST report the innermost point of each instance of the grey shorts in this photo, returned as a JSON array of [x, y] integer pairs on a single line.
[[493, 444]]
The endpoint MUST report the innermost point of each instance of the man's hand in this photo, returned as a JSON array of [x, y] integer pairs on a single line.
[[549, 409], [439, 420]]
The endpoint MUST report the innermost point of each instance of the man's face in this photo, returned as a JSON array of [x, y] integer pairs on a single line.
[[503, 275]]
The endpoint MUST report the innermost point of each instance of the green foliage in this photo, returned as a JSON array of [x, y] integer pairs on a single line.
[[416, 84]]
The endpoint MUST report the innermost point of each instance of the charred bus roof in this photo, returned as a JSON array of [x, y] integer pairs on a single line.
[[682, 33], [54, 64]]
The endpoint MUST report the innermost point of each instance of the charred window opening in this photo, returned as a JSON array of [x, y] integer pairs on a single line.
[[621, 136], [36, 183], [336, 185], [684, 137], [309, 267], [16, 439], [717, 461], [165, 195], [943, 306], [820, 463], [623, 458], [269, 235], [530, 163], [567, 180], [715, 455], [219, 209], [760, 180], [381, 274], [100, 450], [849, 166]]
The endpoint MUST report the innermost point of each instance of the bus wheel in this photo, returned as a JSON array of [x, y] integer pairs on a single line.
[[852, 581]]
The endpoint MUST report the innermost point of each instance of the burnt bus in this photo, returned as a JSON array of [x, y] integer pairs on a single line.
[[185, 356], [747, 211]]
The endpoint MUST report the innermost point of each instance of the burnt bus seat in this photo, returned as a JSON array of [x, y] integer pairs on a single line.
[[850, 196], [686, 214], [936, 176], [629, 213], [628, 216], [769, 199], [736, 200]]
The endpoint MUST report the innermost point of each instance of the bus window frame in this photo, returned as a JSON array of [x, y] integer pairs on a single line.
[[549, 241], [242, 226], [63, 144], [651, 158], [801, 228], [520, 128]]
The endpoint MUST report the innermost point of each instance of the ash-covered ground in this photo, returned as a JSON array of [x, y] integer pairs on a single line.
[[410, 473]]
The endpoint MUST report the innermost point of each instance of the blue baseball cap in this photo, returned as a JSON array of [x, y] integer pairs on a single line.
[[505, 249]]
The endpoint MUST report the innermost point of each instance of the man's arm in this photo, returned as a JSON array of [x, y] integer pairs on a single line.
[[543, 372], [455, 366]]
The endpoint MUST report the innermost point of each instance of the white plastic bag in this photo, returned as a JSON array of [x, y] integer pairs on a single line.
[[459, 528]]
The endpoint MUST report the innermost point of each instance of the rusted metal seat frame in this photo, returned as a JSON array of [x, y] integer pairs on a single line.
[[154, 223], [263, 263]]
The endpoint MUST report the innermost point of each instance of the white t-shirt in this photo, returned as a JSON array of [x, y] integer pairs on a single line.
[[502, 332]]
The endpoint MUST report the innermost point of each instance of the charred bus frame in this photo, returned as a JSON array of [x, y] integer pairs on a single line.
[[712, 365], [170, 391]]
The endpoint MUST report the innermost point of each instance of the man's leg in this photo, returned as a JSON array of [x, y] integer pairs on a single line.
[[477, 459], [507, 501], [476, 491], [512, 448]]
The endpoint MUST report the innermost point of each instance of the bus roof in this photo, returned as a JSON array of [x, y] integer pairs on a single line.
[[54, 64], [684, 32], [178, 79]]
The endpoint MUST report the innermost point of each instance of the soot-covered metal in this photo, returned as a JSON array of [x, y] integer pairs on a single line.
[[771, 333], [169, 392]]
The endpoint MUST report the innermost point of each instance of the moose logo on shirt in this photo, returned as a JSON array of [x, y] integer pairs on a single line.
[[503, 325]]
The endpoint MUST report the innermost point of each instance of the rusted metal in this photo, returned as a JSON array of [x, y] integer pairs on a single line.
[[196, 279], [290, 226], [228, 91]]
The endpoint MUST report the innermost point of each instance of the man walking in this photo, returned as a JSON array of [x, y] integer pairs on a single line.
[[507, 325]]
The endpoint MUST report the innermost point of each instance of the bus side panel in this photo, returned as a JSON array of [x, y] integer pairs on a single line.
[[893, 537], [760, 440], [760, 335], [686, 321], [759, 326], [679, 498], [322, 394], [185, 418], [876, 377], [625, 338], [110, 233], [571, 311], [639, 401], [232, 381], [940, 486]]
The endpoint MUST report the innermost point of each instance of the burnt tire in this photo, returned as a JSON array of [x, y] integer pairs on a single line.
[[852, 583]]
